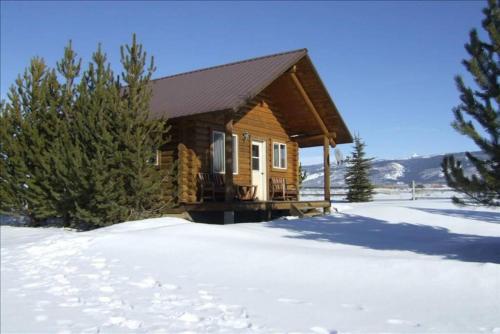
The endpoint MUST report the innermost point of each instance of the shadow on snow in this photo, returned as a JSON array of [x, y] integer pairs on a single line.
[[486, 216], [381, 235]]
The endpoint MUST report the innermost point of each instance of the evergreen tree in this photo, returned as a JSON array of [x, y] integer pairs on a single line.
[[80, 149], [140, 135], [31, 125], [357, 179], [481, 107], [95, 187], [13, 169]]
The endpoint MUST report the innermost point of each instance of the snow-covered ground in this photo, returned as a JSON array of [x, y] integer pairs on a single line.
[[393, 266]]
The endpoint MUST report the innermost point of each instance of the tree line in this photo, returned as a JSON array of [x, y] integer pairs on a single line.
[[77, 143]]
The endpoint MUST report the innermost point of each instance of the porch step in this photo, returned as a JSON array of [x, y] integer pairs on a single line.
[[304, 210]]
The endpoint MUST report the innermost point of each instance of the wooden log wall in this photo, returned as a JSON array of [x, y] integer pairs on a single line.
[[192, 139]]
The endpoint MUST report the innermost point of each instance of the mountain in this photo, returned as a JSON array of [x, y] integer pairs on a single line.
[[421, 169]]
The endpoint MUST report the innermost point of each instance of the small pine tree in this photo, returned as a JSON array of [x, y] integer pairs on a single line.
[[357, 179], [480, 105]]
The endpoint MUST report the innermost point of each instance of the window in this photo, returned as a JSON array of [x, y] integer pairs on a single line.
[[279, 155], [155, 157], [255, 157], [158, 158], [219, 159]]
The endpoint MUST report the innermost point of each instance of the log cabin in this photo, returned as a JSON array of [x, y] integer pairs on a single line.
[[246, 121]]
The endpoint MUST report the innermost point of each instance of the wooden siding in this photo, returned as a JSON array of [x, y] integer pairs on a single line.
[[263, 122], [192, 138]]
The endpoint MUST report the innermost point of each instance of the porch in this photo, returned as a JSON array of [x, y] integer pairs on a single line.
[[248, 210]]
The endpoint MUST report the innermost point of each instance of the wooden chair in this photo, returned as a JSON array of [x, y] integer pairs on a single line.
[[211, 186], [281, 190]]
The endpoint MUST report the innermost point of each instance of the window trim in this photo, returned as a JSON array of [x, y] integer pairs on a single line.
[[236, 152], [158, 158], [279, 155], [235, 149]]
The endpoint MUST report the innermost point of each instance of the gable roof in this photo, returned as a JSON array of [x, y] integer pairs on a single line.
[[220, 87], [230, 86]]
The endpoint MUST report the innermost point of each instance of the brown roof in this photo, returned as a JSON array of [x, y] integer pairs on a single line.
[[220, 87], [224, 87]]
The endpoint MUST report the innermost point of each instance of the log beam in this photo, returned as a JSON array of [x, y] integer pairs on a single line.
[[308, 101], [304, 140], [228, 146], [326, 170], [228, 179]]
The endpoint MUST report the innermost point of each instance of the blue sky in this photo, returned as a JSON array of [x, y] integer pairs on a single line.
[[389, 66]]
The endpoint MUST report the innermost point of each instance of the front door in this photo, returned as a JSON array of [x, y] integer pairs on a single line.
[[259, 169]]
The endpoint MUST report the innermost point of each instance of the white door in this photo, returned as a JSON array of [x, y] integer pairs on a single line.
[[259, 169]]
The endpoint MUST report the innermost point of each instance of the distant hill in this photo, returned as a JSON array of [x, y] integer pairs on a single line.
[[421, 169]]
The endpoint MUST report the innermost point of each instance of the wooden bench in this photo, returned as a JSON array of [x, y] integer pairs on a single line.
[[280, 190]]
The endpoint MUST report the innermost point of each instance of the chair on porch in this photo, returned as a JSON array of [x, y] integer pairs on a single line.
[[211, 186], [281, 190]]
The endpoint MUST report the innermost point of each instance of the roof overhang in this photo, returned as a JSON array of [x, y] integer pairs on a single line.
[[307, 107]]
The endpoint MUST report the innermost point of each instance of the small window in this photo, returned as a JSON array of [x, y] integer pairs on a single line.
[[255, 157], [219, 153], [155, 157], [158, 158], [279, 155]]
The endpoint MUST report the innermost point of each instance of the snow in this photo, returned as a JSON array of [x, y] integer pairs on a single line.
[[313, 176], [394, 171], [385, 266]]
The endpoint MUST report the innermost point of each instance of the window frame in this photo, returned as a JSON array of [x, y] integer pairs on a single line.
[[279, 155], [158, 158], [235, 152]]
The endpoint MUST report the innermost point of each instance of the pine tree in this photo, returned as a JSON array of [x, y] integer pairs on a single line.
[[481, 107], [140, 135], [80, 150], [95, 187], [13, 169], [31, 125], [357, 179]]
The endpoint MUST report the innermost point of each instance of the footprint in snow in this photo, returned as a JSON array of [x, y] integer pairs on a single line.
[[169, 286], [123, 322], [402, 322], [98, 263], [292, 301], [148, 282], [322, 330], [353, 307], [107, 289], [104, 299], [189, 317]]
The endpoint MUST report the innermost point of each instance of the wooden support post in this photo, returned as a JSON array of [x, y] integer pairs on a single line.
[[228, 180], [326, 162]]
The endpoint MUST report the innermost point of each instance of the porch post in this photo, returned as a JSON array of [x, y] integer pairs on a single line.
[[229, 188], [326, 163]]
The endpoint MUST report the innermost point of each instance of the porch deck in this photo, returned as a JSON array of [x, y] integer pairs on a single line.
[[251, 205], [215, 212]]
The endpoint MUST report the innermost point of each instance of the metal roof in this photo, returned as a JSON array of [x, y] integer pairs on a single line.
[[220, 87]]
